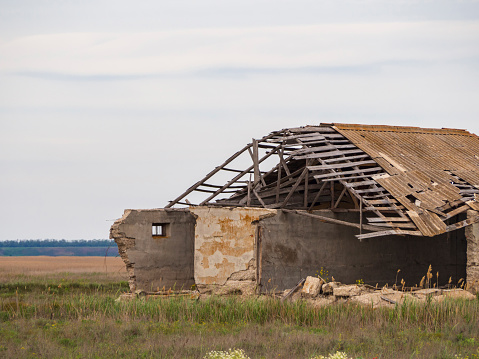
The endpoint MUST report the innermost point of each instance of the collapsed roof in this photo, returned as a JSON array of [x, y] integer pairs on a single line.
[[409, 180]]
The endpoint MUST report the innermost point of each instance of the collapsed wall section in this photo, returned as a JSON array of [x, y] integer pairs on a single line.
[[157, 246], [295, 246]]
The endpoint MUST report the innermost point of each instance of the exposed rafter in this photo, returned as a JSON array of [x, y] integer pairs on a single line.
[[334, 167]]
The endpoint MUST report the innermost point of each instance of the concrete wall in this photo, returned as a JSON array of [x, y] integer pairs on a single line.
[[230, 248], [225, 246], [472, 268], [152, 261], [295, 246]]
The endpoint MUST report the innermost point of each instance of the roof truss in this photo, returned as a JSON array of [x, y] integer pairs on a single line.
[[317, 167]]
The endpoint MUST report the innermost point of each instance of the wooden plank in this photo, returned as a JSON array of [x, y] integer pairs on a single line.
[[295, 289], [360, 216], [220, 167], [372, 208], [361, 183], [457, 211], [340, 197], [310, 129], [208, 176], [450, 205], [259, 198], [354, 199], [311, 143], [328, 154], [305, 136], [322, 148], [211, 191], [216, 186], [387, 233], [312, 138], [232, 170], [340, 165], [462, 224], [369, 190], [473, 204], [262, 145], [382, 201], [314, 149], [332, 220], [323, 186], [347, 158], [381, 195], [286, 180], [389, 219], [283, 162], [362, 170], [333, 135], [468, 191], [306, 184], [237, 177], [428, 223], [394, 225], [339, 141], [255, 158], [347, 178], [294, 187], [278, 180]]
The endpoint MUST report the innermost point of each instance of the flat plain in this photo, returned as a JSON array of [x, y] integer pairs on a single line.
[[66, 307], [112, 267]]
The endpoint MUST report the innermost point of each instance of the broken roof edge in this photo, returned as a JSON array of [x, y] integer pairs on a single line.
[[406, 129]]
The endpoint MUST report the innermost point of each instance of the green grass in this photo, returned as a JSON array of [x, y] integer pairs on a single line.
[[80, 318]]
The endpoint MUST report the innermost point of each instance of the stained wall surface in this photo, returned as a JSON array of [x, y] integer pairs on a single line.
[[294, 246], [157, 261], [224, 242]]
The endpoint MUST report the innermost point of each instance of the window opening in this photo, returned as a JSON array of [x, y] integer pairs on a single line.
[[159, 229]]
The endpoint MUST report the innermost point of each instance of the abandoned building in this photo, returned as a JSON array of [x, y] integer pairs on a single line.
[[353, 202]]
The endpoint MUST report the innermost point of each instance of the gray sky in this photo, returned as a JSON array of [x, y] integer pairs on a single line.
[[106, 105]]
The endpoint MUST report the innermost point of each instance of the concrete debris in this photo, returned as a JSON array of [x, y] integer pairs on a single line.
[[455, 293], [347, 291], [384, 297], [237, 287], [329, 287], [310, 292], [312, 287], [295, 292]]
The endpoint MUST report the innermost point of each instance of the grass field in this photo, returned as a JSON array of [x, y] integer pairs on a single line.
[[71, 312]]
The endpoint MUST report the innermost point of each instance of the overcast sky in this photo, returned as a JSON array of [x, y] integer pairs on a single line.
[[107, 105]]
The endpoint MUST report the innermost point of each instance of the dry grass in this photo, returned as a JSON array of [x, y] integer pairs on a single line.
[[66, 308], [24, 268]]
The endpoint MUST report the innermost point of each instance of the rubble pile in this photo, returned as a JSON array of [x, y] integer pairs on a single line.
[[316, 291]]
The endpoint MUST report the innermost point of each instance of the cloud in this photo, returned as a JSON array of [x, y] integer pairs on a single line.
[[324, 48]]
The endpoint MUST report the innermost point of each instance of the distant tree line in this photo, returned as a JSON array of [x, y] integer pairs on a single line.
[[58, 243]]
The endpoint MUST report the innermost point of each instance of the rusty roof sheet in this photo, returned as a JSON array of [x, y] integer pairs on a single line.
[[423, 165]]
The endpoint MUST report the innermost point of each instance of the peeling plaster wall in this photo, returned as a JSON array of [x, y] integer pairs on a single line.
[[472, 267], [225, 244], [154, 262], [295, 246]]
